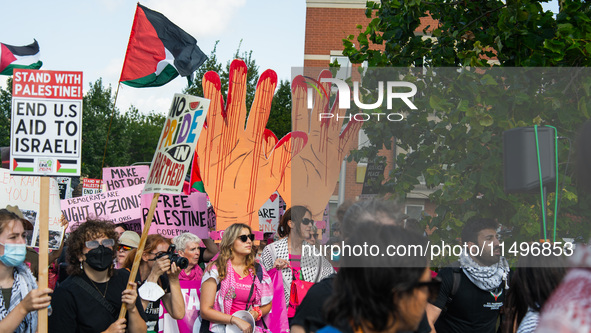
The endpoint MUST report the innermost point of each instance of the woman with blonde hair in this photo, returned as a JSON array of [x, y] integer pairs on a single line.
[[235, 282]]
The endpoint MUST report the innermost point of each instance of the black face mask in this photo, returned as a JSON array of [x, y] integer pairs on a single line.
[[100, 258]]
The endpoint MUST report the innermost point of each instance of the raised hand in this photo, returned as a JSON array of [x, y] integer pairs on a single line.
[[241, 166], [311, 176]]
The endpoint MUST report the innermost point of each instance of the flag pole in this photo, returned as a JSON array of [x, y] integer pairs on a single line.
[[109, 131], [117, 92]]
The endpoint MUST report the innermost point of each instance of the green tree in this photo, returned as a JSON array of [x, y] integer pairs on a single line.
[[5, 113], [144, 131], [98, 119], [454, 139], [280, 115]]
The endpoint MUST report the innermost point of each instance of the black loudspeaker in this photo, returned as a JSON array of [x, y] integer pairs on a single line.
[[521, 162]]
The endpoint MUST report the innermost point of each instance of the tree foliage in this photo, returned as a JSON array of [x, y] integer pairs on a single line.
[[454, 139]]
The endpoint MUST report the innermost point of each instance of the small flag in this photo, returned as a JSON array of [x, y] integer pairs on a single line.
[[12, 57], [23, 164], [158, 51], [67, 166]]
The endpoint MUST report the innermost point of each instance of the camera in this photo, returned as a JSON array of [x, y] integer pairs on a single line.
[[181, 262]]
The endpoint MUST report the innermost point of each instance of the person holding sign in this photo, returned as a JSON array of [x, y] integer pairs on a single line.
[[235, 282], [158, 278], [20, 299], [90, 299]]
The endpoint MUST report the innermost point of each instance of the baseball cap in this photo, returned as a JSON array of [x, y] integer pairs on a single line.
[[129, 238]]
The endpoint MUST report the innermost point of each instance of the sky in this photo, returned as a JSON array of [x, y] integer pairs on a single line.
[[91, 36]]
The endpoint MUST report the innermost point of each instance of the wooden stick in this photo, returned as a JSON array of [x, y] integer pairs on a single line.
[[140, 250], [43, 247]]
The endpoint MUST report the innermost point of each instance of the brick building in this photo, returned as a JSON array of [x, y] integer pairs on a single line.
[[328, 22]]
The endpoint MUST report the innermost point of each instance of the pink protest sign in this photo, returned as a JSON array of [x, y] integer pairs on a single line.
[[119, 206], [191, 322], [120, 177], [177, 213]]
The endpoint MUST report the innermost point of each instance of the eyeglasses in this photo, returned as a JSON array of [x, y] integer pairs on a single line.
[[243, 238], [93, 244], [306, 221], [124, 248], [432, 286]]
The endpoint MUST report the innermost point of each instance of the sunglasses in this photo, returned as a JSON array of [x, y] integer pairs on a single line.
[[432, 286], [306, 221], [93, 244], [124, 248], [243, 238]]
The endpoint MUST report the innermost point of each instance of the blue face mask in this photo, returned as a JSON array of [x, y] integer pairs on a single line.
[[14, 254]]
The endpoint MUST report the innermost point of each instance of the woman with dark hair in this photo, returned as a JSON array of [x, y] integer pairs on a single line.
[[533, 281], [287, 253], [158, 280], [20, 299], [90, 299], [234, 282], [381, 293]]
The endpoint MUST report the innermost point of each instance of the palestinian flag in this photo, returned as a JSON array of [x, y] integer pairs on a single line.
[[12, 57], [158, 51]]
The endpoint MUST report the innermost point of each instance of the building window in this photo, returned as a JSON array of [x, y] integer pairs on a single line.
[[414, 211], [344, 71]]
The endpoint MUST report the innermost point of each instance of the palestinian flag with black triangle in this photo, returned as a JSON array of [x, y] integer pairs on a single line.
[[158, 51], [12, 57]]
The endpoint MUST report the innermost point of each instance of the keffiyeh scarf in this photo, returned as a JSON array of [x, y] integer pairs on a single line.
[[487, 278], [262, 294], [24, 282]]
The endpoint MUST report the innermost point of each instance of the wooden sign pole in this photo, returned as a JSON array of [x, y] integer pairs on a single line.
[[43, 247], [140, 249]]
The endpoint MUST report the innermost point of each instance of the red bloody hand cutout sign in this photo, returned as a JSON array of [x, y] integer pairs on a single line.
[[311, 176], [241, 167]]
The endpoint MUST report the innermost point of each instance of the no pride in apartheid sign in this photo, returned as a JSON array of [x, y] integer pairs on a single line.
[[46, 123], [176, 146]]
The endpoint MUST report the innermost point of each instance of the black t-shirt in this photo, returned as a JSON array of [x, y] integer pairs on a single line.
[[153, 308], [75, 310], [310, 313], [471, 309]]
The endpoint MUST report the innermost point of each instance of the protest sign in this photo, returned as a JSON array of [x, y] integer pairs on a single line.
[[119, 206], [269, 214], [25, 192], [176, 146], [192, 321], [65, 187], [46, 124], [116, 178], [178, 213], [91, 186]]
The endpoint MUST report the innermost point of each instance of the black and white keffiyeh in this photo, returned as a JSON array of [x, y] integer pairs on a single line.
[[487, 278], [24, 282]]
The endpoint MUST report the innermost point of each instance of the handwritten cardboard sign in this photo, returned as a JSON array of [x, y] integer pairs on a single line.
[[269, 214], [24, 192], [116, 178]]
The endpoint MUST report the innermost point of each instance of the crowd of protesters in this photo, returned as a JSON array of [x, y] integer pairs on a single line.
[[89, 278]]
